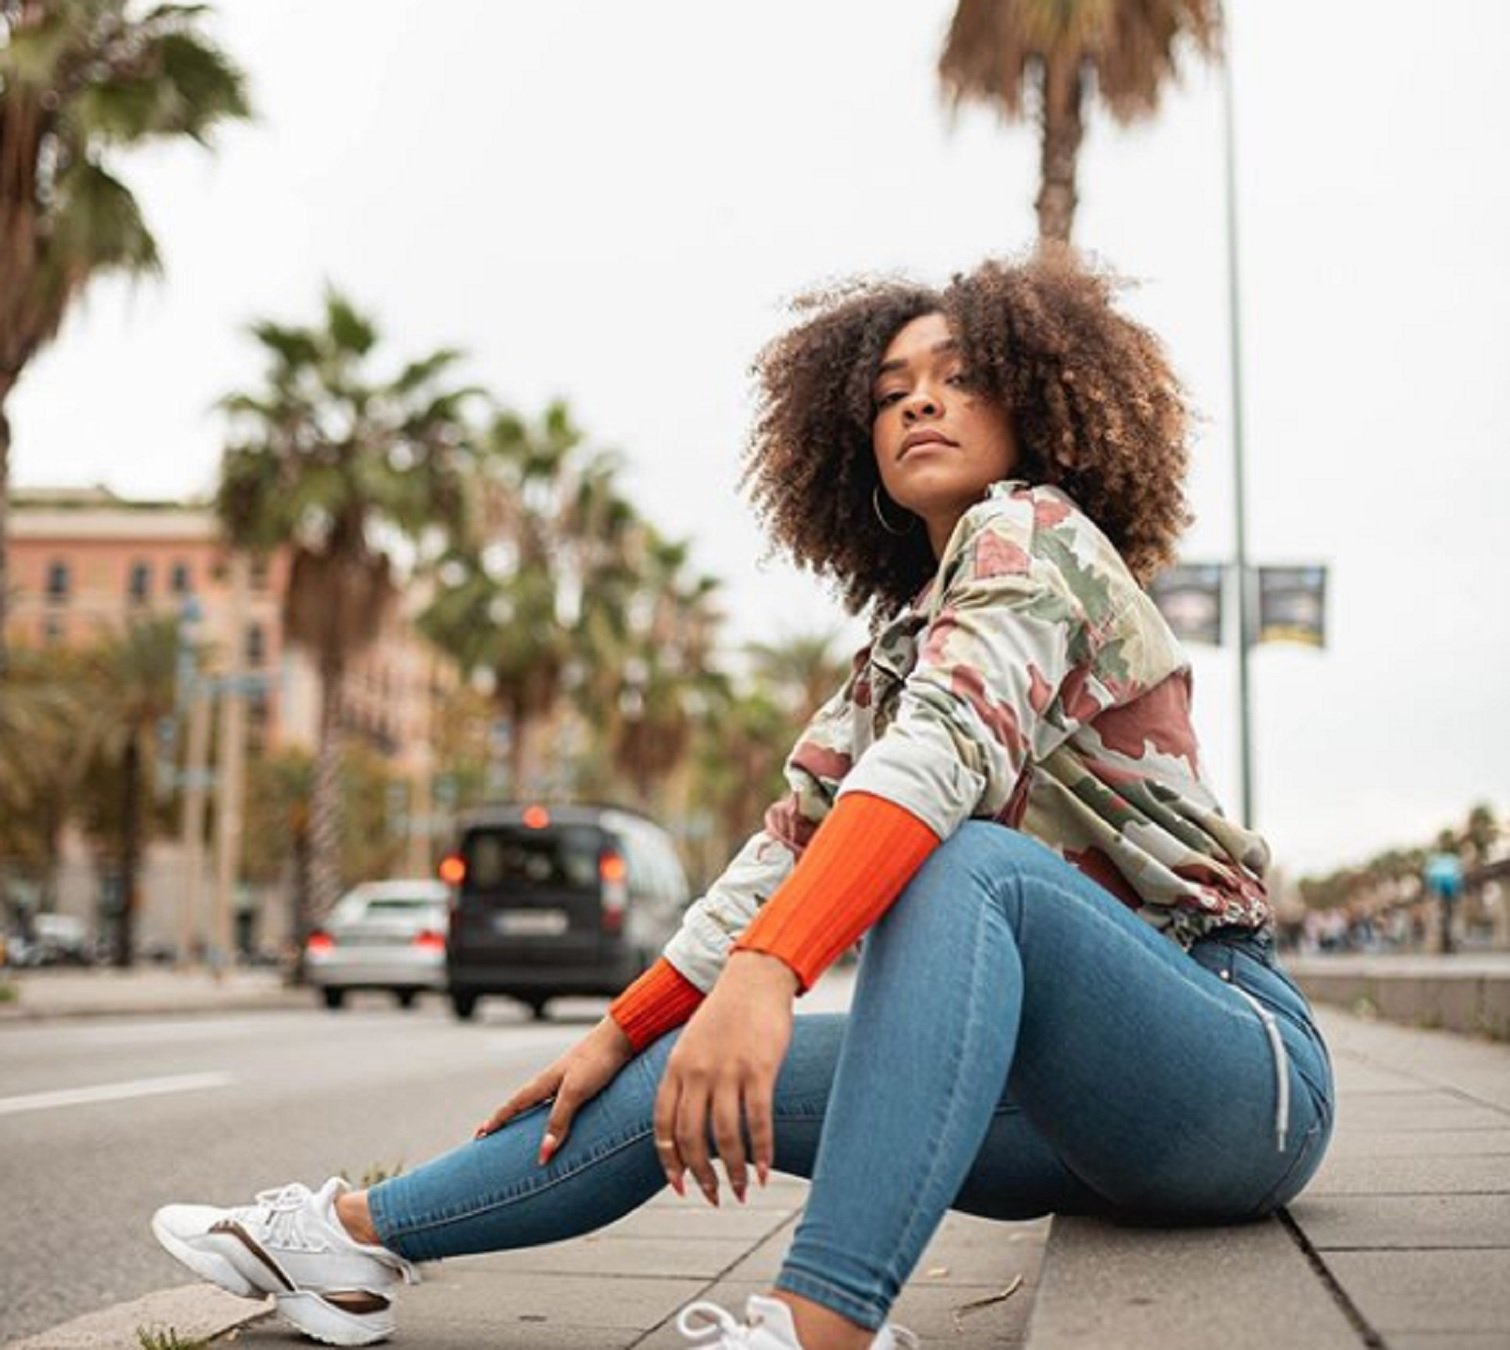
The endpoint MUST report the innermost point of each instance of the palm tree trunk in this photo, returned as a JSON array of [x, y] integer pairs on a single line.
[[325, 801], [300, 922], [5, 388], [131, 792], [1063, 99]]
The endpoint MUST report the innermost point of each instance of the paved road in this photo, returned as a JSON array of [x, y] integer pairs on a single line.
[[102, 1121]]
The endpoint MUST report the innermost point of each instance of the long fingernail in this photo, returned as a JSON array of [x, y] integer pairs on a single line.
[[677, 1185], [712, 1193], [761, 1172], [547, 1147], [739, 1194]]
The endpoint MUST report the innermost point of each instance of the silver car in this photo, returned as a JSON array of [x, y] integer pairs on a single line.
[[382, 935]]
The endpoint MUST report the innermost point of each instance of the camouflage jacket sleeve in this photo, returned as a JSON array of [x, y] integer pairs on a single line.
[[821, 757], [1005, 666]]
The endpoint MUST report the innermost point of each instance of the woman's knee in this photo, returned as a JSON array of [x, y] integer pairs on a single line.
[[986, 863]]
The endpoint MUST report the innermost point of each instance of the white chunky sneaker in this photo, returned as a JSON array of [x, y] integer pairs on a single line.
[[289, 1244], [767, 1326]]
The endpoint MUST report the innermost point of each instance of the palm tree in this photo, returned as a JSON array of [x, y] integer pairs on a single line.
[[1045, 56], [78, 79], [665, 679], [801, 669], [338, 467], [42, 703], [534, 600], [741, 744], [1480, 832], [132, 689]]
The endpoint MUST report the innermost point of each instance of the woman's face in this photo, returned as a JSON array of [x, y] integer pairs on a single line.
[[938, 443]]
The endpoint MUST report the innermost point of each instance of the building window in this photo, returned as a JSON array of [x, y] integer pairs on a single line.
[[256, 646], [180, 579], [140, 583], [259, 715], [259, 573], [57, 582], [52, 631]]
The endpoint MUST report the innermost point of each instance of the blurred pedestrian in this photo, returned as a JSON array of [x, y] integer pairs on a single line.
[[1067, 994]]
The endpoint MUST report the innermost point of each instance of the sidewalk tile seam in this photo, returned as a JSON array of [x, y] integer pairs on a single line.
[[1329, 1281], [1420, 1247], [710, 1284], [1429, 1084]]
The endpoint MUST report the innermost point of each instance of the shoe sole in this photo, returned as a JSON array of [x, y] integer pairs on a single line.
[[320, 1319], [303, 1309]]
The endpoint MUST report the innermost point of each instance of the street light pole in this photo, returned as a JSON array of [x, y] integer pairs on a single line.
[[230, 781], [194, 695], [1234, 315]]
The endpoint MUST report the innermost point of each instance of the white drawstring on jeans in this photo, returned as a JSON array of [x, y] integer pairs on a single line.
[[1281, 1066]]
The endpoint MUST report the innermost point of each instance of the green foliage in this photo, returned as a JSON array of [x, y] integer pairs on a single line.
[[372, 1174], [535, 594], [42, 699], [1394, 875], [79, 80], [167, 1339], [338, 464], [278, 810]]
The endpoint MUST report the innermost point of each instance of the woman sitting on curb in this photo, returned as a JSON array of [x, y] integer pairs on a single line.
[[1067, 1000]]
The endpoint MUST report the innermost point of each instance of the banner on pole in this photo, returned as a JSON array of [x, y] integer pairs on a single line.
[[1292, 605], [1189, 596]]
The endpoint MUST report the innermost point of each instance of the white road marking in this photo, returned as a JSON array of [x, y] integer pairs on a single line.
[[113, 1092]]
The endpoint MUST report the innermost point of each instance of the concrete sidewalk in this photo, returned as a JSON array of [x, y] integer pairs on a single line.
[[1465, 991], [146, 990], [1401, 1242]]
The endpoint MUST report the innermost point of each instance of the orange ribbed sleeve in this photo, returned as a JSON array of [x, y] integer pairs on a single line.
[[661, 999], [855, 866]]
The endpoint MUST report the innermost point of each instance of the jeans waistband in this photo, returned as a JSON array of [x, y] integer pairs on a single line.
[[1256, 942]]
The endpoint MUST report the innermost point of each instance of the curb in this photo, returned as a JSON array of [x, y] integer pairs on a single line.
[[191, 1311], [19, 1013]]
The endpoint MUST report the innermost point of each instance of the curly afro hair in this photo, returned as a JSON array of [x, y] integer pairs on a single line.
[[1096, 409]]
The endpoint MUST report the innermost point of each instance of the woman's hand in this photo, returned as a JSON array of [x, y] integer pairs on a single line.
[[726, 1059], [577, 1077]]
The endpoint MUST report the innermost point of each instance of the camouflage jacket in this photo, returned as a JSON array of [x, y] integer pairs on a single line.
[[1034, 683]]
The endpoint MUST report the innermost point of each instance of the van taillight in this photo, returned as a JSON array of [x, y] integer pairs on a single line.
[[614, 874], [318, 943], [430, 941]]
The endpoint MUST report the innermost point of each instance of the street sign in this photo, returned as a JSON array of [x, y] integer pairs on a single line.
[[1189, 596]]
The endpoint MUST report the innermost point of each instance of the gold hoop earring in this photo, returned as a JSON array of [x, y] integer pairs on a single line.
[[875, 505]]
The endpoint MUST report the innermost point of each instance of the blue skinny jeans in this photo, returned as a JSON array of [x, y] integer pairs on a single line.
[[1019, 1043]]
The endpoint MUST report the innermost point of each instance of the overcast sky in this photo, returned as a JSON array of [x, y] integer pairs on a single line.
[[611, 202]]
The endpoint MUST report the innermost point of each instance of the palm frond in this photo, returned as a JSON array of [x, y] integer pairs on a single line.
[[996, 50], [419, 373], [291, 347], [97, 226], [350, 331]]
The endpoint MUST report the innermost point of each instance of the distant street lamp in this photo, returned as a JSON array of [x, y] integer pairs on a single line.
[[1234, 347], [1274, 604]]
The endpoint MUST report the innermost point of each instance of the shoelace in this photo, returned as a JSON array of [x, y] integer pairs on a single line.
[[736, 1333], [729, 1331], [279, 1211]]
